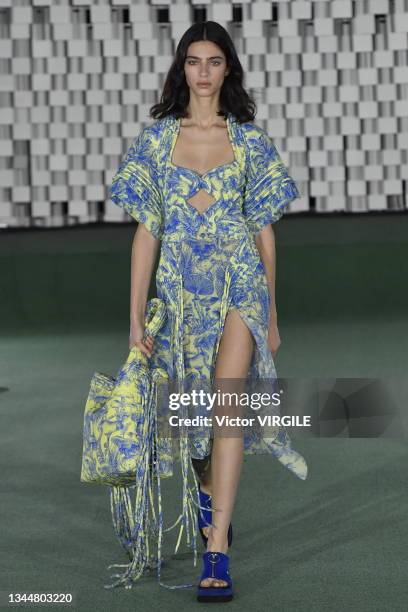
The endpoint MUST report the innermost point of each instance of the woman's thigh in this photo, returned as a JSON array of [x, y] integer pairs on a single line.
[[235, 348], [231, 371]]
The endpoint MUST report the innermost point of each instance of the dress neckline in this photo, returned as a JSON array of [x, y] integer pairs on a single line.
[[176, 132]]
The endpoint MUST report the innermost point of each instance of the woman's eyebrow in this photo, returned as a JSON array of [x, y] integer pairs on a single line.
[[210, 58]]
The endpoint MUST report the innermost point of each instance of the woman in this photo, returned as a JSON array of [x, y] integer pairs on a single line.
[[207, 183]]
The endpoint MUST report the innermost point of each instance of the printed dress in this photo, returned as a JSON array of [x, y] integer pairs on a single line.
[[209, 264]]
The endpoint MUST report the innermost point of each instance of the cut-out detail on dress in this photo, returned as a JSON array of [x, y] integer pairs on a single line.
[[201, 201]]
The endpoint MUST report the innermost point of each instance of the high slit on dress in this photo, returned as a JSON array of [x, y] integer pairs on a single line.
[[209, 264]]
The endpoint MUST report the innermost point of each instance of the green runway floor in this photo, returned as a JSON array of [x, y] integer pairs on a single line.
[[335, 542]]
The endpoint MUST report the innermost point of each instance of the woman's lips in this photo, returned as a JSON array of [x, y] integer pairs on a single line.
[[203, 84]]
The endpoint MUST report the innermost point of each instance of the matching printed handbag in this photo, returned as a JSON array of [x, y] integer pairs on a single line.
[[116, 420]]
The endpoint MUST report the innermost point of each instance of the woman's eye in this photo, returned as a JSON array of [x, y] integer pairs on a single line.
[[193, 62]]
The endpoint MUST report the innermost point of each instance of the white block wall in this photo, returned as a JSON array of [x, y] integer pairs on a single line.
[[77, 79]]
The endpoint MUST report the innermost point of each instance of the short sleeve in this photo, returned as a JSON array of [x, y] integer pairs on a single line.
[[269, 187], [135, 185]]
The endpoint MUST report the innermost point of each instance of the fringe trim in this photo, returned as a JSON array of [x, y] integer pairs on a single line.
[[134, 527]]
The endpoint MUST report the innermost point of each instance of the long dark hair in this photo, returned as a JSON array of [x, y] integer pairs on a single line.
[[176, 94]]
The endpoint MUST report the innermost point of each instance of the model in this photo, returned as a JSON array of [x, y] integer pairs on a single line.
[[207, 183]]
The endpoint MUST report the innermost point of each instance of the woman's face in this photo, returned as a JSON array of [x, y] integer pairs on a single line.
[[205, 68]]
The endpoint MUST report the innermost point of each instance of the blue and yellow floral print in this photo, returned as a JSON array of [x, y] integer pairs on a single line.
[[209, 263]]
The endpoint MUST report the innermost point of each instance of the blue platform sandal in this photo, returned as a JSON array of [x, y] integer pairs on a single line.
[[216, 565], [205, 517]]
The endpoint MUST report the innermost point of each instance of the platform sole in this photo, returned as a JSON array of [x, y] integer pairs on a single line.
[[213, 595]]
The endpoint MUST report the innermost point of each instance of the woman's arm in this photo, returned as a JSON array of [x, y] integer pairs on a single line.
[[265, 242], [144, 253]]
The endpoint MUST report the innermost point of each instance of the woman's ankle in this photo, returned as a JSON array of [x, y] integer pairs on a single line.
[[217, 542]]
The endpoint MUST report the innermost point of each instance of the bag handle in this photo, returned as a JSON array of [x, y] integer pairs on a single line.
[[155, 317]]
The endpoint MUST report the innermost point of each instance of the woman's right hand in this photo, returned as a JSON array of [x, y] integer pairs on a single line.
[[137, 329]]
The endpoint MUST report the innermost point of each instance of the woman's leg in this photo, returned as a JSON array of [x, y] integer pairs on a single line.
[[233, 361], [202, 468]]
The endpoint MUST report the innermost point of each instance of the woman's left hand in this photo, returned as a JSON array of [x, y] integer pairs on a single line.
[[274, 340]]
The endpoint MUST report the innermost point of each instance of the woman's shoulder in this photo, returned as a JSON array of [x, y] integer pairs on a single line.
[[151, 132], [147, 141], [252, 132], [157, 127], [260, 148]]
